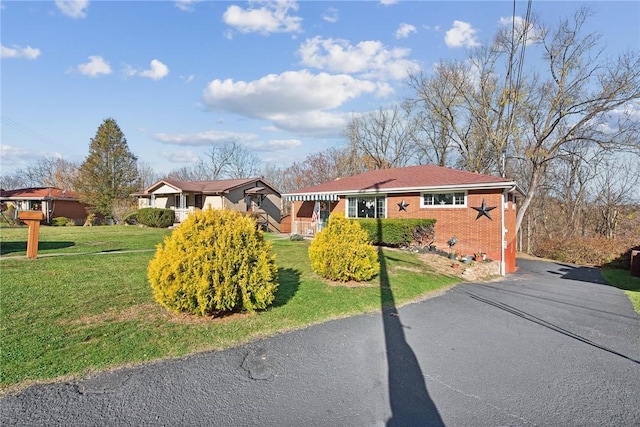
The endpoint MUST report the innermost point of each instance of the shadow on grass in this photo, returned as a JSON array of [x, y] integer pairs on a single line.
[[21, 246], [289, 282]]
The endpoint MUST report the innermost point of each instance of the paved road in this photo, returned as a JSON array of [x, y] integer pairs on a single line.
[[549, 345]]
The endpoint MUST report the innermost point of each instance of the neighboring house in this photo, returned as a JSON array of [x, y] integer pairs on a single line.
[[479, 210], [251, 195], [53, 202]]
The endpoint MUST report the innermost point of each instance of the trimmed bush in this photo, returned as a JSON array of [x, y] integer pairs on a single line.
[[131, 218], [215, 262], [393, 232], [156, 217], [341, 252], [61, 221]]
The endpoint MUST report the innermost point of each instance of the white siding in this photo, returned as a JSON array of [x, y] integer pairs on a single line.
[[215, 202], [161, 202], [166, 189]]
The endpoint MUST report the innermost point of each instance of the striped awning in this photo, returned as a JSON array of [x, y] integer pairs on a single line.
[[306, 197]]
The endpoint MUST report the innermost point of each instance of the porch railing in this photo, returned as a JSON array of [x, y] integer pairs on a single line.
[[306, 228], [181, 214]]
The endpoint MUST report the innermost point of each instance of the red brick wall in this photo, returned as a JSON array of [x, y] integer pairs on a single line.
[[473, 235], [69, 209]]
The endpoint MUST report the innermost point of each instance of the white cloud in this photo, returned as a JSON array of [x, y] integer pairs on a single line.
[[272, 17], [275, 145], [388, 2], [331, 15], [313, 123], [405, 30], [96, 65], [291, 92], [296, 101], [14, 157], [369, 58], [518, 23], [630, 109], [73, 8], [157, 71], [19, 52], [203, 138], [7, 152], [462, 34], [180, 156], [186, 5]]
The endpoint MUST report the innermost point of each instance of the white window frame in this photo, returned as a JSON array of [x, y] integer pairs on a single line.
[[375, 201], [455, 205]]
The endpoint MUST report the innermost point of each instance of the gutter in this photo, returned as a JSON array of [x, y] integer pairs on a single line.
[[484, 186]]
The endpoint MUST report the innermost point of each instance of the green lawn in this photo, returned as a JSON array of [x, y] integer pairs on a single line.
[[13, 240], [72, 315], [624, 280]]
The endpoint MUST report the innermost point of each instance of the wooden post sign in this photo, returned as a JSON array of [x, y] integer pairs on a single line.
[[32, 219]]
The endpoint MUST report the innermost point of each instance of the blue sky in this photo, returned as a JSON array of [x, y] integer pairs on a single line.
[[282, 78]]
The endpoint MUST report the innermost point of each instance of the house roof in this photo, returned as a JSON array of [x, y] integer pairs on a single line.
[[398, 180], [38, 193], [221, 186]]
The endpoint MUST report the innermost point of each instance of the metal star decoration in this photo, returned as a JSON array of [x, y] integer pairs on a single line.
[[403, 206], [483, 210]]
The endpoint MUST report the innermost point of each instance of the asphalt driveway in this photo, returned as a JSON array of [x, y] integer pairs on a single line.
[[548, 345]]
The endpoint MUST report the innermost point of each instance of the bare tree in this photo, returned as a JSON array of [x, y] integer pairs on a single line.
[[499, 119], [147, 175], [16, 179], [435, 109], [574, 105], [241, 162], [226, 160], [185, 173], [46, 172], [568, 180], [382, 137], [471, 108], [617, 181]]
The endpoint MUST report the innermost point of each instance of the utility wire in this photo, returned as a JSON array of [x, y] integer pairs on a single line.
[[26, 130]]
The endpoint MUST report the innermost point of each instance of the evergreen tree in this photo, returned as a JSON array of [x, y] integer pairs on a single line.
[[110, 170]]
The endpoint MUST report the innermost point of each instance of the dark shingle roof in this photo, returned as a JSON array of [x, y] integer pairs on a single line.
[[407, 178], [220, 186]]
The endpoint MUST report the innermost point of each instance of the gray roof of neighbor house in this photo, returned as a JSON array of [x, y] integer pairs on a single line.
[[221, 186], [403, 180]]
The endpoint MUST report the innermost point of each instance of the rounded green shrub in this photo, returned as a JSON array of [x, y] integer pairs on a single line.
[[342, 252], [156, 217], [215, 262]]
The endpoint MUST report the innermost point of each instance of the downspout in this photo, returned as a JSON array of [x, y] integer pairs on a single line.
[[503, 267]]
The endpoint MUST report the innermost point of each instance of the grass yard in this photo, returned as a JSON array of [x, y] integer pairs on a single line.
[[63, 316], [67, 240], [623, 279]]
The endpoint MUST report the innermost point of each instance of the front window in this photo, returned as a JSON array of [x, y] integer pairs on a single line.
[[35, 205], [443, 199], [366, 207]]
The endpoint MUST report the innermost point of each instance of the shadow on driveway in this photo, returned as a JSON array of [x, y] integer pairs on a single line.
[[409, 399]]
